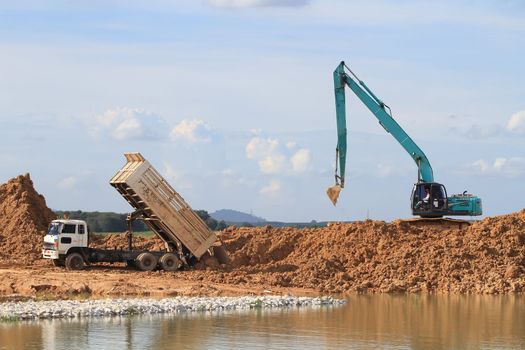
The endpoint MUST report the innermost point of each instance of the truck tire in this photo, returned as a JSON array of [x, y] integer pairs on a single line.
[[146, 261], [58, 262], [170, 262], [75, 261]]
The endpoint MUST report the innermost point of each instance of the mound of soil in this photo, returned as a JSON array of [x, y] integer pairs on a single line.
[[120, 241], [24, 218], [374, 256]]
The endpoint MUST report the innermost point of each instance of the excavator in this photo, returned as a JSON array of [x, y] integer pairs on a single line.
[[428, 199]]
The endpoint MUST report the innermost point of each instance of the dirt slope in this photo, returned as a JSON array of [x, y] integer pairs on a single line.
[[24, 218], [373, 256]]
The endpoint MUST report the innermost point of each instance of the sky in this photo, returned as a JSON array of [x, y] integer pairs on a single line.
[[232, 101]]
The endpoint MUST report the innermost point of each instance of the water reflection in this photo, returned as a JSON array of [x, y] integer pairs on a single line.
[[394, 322]]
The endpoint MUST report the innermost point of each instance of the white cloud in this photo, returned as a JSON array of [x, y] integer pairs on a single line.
[[301, 160], [516, 123], [67, 183], [127, 124], [257, 3], [267, 153], [275, 157], [272, 164], [271, 190], [194, 130], [508, 167]]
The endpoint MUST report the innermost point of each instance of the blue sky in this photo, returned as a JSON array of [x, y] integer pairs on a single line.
[[233, 100]]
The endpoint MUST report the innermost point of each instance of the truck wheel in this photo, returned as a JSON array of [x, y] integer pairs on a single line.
[[75, 261], [170, 262], [58, 262], [146, 261]]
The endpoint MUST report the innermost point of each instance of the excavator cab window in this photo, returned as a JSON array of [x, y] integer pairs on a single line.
[[429, 199]]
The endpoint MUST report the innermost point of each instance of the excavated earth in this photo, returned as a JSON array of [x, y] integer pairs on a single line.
[[486, 257], [24, 218]]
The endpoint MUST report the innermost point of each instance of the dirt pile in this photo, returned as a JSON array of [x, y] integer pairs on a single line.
[[374, 256], [120, 241], [24, 218]]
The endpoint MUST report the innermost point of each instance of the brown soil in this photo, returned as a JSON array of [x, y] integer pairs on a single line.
[[120, 241], [369, 256], [374, 256], [24, 218]]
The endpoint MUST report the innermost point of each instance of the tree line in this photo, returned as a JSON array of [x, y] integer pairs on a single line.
[[115, 222]]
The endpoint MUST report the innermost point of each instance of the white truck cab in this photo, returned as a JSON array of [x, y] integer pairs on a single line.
[[63, 235]]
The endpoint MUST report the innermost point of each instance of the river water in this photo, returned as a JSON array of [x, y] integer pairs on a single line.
[[365, 322]]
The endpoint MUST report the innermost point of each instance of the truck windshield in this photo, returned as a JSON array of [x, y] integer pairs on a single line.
[[54, 228]]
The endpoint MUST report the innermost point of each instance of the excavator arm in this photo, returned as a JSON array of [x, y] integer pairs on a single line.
[[379, 110]]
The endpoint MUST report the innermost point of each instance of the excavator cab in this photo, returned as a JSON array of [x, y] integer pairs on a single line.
[[429, 200]]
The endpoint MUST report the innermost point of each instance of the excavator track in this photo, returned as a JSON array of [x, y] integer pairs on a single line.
[[438, 222]]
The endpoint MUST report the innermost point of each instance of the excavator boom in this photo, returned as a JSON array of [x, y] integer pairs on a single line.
[[435, 203], [379, 110]]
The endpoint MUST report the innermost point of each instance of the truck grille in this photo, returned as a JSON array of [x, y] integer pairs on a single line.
[[49, 246]]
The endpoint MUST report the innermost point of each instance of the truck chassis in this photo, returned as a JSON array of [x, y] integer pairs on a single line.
[[145, 260]]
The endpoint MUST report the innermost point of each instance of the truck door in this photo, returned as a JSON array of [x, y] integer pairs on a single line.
[[68, 238], [82, 236]]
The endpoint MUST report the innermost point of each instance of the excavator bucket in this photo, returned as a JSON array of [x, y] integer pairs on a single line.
[[333, 193]]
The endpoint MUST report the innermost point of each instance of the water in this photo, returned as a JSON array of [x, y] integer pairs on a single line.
[[366, 322]]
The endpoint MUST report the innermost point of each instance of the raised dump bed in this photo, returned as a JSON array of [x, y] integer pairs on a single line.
[[163, 210]]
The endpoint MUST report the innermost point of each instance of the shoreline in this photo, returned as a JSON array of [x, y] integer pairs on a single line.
[[47, 283], [14, 311]]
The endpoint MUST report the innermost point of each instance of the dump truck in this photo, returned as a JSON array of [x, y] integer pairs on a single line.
[[185, 235]]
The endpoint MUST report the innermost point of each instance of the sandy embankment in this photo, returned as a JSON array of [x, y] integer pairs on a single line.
[[368, 256]]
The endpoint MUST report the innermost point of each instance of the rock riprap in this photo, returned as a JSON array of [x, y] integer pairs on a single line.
[[119, 307]]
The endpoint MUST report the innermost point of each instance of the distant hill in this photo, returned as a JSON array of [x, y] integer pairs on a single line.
[[229, 215]]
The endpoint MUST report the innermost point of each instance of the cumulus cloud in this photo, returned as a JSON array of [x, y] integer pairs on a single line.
[[266, 152], [516, 123], [276, 157], [194, 130], [257, 3], [301, 160], [128, 124], [272, 189], [508, 167]]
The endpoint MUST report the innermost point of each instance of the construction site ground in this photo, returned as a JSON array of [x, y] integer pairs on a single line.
[[50, 283], [404, 256]]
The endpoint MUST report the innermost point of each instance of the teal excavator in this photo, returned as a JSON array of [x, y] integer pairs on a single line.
[[429, 199]]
